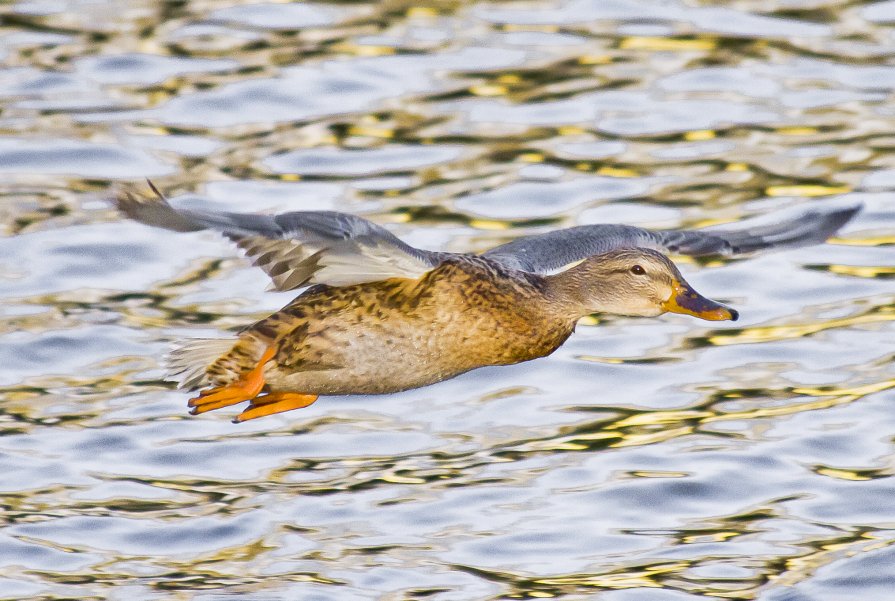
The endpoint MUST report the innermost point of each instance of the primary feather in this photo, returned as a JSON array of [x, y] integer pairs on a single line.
[[299, 248], [549, 252]]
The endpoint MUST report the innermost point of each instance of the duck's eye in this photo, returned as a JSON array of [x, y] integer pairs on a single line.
[[638, 270]]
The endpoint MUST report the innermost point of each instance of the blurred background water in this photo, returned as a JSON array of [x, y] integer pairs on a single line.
[[662, 459]]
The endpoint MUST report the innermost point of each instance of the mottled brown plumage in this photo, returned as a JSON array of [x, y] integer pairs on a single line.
[[402, 333], [466, 313]]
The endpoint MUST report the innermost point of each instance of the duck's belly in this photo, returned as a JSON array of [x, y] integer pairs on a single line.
[[342, 354], [372, 359]]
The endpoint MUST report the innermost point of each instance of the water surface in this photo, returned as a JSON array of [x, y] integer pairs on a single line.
[[662, 459]]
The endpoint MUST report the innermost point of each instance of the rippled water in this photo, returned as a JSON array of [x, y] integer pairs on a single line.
[[659, 459]]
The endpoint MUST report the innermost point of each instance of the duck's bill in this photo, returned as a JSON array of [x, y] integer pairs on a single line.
[[689, 302]]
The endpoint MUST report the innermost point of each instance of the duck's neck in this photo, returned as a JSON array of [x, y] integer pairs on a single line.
[[573, 294]]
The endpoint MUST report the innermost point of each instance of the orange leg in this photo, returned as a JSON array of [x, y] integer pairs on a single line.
[[275, 402], [244, 389]]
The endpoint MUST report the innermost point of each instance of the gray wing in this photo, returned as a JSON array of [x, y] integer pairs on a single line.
[[550, 252], [295, 249]]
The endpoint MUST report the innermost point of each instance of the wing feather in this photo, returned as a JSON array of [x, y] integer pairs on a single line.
[[550, 252], [326, 247], [295, 249]]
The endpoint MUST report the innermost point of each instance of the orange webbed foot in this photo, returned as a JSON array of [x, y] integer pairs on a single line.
[[244, 389], [276, 402], [215, 398]]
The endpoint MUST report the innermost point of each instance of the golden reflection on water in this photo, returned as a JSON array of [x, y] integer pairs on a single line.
[[661, 456], [858, 271], [878, 314]]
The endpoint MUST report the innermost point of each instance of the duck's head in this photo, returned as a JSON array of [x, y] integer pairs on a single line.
[[634, 281]]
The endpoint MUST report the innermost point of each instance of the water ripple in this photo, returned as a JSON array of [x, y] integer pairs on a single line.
[[664, 459]]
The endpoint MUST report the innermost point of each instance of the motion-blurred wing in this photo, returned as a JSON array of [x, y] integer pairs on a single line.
[[550, 252], [295, 249]]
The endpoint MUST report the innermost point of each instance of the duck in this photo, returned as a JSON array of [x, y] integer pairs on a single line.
[[375, 315]]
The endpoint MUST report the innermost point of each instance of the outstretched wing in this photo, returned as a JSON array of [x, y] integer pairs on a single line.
[[295, 249], [550, 252]]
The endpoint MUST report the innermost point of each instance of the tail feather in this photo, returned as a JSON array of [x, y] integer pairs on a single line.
[[189, 363]]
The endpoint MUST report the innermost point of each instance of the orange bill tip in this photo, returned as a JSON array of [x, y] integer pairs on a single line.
[[687, 301]]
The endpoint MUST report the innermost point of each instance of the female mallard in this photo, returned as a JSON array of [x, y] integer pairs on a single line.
[[381, 316]]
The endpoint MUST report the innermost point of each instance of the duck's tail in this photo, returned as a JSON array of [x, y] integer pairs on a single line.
[[212, 361]]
